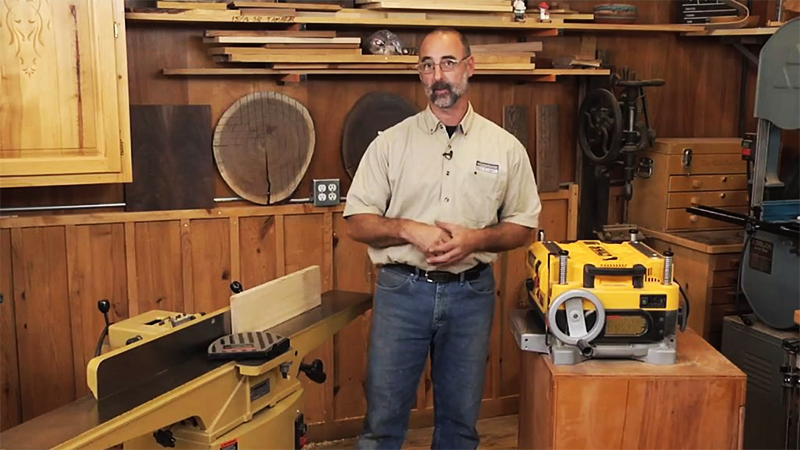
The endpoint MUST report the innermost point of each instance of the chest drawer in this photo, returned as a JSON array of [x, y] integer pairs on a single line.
[[719, 199], [707, 164], [683, 183], [679, 219]]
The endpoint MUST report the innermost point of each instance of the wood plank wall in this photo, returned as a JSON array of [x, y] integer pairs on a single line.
[[54, 269], [700, 99]]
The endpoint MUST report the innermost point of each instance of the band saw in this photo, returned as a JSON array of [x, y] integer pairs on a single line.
[[184, 381]]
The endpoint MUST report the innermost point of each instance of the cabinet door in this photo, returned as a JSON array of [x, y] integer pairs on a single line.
[[63, 92]]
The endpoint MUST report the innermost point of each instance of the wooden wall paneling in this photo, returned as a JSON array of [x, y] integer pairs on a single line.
[[41, 302], [211, 264], [11, 406], [257, 250], [304, 247], [513, 294], [187, 266], [152, 48], [158, 266], [352, 272], [96, 271], [235, 257], [130, 269], [493, 379]]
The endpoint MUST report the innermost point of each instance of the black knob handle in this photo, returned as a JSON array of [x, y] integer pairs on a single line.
[[104, 306], [314, 371], [236, 287]]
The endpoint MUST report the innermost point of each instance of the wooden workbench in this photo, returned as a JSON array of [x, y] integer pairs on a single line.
[[696, 403]]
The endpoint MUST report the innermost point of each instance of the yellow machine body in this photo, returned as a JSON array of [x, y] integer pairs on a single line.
[[616, 292]]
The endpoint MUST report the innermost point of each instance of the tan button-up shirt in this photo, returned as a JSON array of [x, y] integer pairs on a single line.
[[405, 174]]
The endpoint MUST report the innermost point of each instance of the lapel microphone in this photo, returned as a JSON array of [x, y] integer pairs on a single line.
[[448, 155]]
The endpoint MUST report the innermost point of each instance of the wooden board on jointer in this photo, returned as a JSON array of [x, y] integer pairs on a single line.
[[547, 148], [262, 307], [11, 406], [211, 264], [41, 302], [96, 265]]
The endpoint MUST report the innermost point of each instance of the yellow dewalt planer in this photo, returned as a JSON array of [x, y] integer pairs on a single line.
[[591, 299]]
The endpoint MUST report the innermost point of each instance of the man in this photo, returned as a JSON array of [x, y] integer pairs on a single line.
[[435, 197]]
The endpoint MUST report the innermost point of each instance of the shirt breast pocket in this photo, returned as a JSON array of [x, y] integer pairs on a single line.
[[481, 198]]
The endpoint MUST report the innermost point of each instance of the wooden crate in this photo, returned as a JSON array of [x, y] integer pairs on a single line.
[[696, 403], [715, 175], [706, 265]]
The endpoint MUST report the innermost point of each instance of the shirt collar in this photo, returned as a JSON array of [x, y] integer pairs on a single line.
[[432, 123]]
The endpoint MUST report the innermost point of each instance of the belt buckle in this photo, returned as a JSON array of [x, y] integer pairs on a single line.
[[436, 277]]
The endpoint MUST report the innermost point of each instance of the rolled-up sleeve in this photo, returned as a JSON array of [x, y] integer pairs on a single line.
[[521, 204], [369, 193]]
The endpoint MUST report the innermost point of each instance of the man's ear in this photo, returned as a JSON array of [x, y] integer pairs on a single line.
[[471, 65]]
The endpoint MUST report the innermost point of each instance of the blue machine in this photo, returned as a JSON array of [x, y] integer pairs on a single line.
[[770, 270]]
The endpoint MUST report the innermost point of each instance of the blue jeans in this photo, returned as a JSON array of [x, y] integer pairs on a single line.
[[412, 316]]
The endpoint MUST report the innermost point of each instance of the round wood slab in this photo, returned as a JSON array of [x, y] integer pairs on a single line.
[[372, 113], [263, 145]]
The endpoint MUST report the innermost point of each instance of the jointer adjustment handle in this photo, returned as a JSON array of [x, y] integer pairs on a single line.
[[314, 371]]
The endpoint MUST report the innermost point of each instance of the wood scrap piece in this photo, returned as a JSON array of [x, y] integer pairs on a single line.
[[282, 40], [271, 33], [505, 58], [268, 12], [434, 6], [547, 154], [515, 121], [510, 47], [235, 56], [274, 302], [300, 52], [191, 5], [242, 4]]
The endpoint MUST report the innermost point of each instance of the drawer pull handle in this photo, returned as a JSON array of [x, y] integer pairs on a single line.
[[693, 218], [694, 201], [724, 179], [722, 195], [697, 184]]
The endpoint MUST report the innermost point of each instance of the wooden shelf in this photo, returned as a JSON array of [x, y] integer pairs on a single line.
[[241, 71], [763, 31], [228, 17]]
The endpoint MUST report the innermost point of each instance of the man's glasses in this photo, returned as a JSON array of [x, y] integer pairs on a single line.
[[446, 64]]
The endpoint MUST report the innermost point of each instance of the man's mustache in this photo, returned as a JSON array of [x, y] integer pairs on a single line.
[[442, 85]]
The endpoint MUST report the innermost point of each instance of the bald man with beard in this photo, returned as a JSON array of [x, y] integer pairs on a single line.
[[435, 198]]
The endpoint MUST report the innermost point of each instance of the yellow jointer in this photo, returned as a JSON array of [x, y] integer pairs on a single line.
[[164, 387]]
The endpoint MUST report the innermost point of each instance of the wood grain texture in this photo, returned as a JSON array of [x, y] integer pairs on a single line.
[[353, 272], [41, 302], [547, 148], [695, 403], [11, 406], [96, 264], [159, 280], [211, 263], [257, 242], [262, 307], [172, 158]]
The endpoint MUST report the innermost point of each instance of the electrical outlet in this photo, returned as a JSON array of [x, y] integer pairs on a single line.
[[326, 192]]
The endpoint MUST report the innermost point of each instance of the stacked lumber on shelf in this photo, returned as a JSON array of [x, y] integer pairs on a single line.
[[324, 50], [483, 6]]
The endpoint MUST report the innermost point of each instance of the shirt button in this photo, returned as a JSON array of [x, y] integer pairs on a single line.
[[447, 173], [447, 199]]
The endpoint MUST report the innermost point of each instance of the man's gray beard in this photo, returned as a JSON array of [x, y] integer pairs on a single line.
[[451, 98]]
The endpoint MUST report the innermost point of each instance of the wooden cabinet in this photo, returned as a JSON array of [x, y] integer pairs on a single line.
[[697, 403], [690, 172], [64, 93], [707, 266]]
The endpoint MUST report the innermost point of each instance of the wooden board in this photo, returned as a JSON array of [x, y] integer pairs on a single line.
[[255, 57], [172, 158], [284, 52], [263, 145], [434, 6], [511, 47], [96, 271], [297, 6], [797, 317], [191, 5], [515, 120], [11, 407], [547, 148], [41, 306], [276, 301], [281, 40], [271, 33]]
